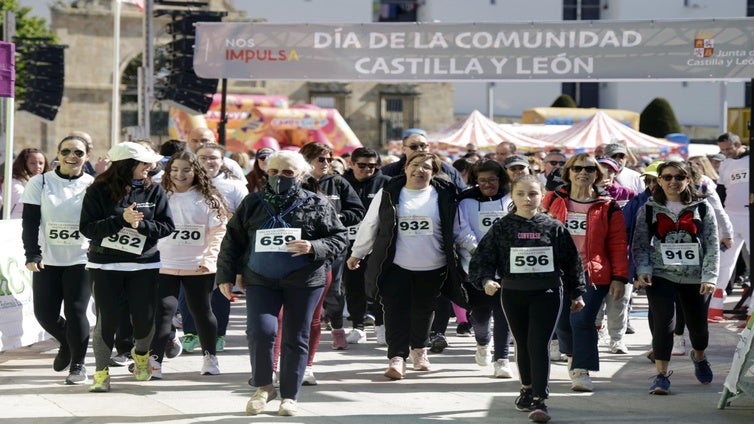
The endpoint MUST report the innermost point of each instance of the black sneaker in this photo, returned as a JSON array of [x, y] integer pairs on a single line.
[[437, 343], [62, 359], [524, 400], [538, 412], [463, 329], [77, 375]]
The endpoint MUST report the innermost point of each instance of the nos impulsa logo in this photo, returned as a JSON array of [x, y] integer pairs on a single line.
[[15, 279]]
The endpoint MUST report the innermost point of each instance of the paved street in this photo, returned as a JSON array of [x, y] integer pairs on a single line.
[[352, 389]]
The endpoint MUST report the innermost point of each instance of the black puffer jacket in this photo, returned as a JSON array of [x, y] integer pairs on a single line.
[[319, 225]]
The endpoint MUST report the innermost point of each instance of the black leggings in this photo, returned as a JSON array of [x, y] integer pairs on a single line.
[[532, 316], [68, 285], [197, 289], [661, 298], [140, 288]]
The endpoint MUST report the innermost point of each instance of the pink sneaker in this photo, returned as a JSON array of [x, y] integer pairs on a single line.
[[339, 341], [396, 368], [420, 360]]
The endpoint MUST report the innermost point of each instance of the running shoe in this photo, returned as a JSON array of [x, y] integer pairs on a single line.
[[661, 384], [77, 374], [702, 369], [190, 342], [142, 370], [101, 381]]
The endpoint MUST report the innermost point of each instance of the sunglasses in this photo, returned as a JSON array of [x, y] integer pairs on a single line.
[[323, 160], [619, 156], [366, 165], [589, 169], [78, 153], [678, 177], [264, 157], [416, 147], [556, 162]]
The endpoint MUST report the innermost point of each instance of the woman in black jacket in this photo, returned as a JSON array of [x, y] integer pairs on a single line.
[[124, 214], [411, 229], [280, 241]]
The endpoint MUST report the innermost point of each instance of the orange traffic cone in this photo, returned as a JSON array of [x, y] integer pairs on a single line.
[[716, 304]]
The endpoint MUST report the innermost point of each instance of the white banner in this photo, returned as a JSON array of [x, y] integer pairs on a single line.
[[572, 50], [18, 326]]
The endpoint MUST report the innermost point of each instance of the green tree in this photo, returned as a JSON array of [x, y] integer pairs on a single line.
[[658, 119], [27, 27], [564, 100]]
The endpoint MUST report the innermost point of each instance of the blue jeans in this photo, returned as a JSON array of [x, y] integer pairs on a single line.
[[577, 335], [262, 308]]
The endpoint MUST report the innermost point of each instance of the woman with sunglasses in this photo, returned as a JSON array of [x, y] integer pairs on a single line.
[[124, 214], [676, 252], [482, 205], [350, 211], [55, 253], [598, 228], [257, 178]]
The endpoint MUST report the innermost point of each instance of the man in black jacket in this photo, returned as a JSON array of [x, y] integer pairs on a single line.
[[367, 179]]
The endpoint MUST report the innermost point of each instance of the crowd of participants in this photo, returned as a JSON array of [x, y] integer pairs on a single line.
[[544, 249]]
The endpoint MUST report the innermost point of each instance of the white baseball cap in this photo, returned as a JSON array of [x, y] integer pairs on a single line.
[[131, 150]]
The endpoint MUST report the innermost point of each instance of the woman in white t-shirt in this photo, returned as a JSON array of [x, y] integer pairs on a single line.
[[189, 256], [56, 254], [28, 163]]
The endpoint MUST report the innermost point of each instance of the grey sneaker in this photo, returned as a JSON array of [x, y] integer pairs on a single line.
[[77, 375]]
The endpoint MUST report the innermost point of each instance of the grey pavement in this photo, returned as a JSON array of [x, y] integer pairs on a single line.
[[352, 388]]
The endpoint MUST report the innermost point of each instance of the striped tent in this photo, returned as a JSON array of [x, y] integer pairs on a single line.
[[600, 129], [484, 133]]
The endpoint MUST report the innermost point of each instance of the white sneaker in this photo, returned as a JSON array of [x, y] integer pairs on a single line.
[[502, 369], [309, 379], [356, 336], [555, 354], [483, 356], [580, 380], [210, 365], [174, 347], [603, 337], [618, 347], [155, 367], [679, 345], [379, 332]]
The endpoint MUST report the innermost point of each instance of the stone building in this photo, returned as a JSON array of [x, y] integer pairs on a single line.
[[377, 112]]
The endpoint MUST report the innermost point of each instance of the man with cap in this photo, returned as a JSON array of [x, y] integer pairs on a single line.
[[733, 187], [626, 177], [554, 159], [201, 135], [415, 140], [515, 166], [716, 160]]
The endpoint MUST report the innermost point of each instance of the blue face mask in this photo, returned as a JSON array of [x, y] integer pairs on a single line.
[[280, 184]]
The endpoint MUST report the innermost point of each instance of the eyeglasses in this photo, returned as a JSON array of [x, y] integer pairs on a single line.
[[556, 162], [78, 153], [589, 169], [323, 160], [363, 165], [416, 147], [678, 177], [490, 180]]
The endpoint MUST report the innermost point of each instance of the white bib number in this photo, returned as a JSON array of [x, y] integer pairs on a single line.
[[352, 231], [126, 240], [576, 223], [274, 239], [531, 259], [187, 235], [680, 253], [415, 225], [64, 234], [739, 176], [488, 218]]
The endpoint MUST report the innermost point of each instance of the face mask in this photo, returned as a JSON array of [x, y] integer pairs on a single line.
[[280, 184]]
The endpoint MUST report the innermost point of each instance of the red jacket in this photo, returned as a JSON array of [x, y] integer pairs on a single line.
[[606, 242]]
